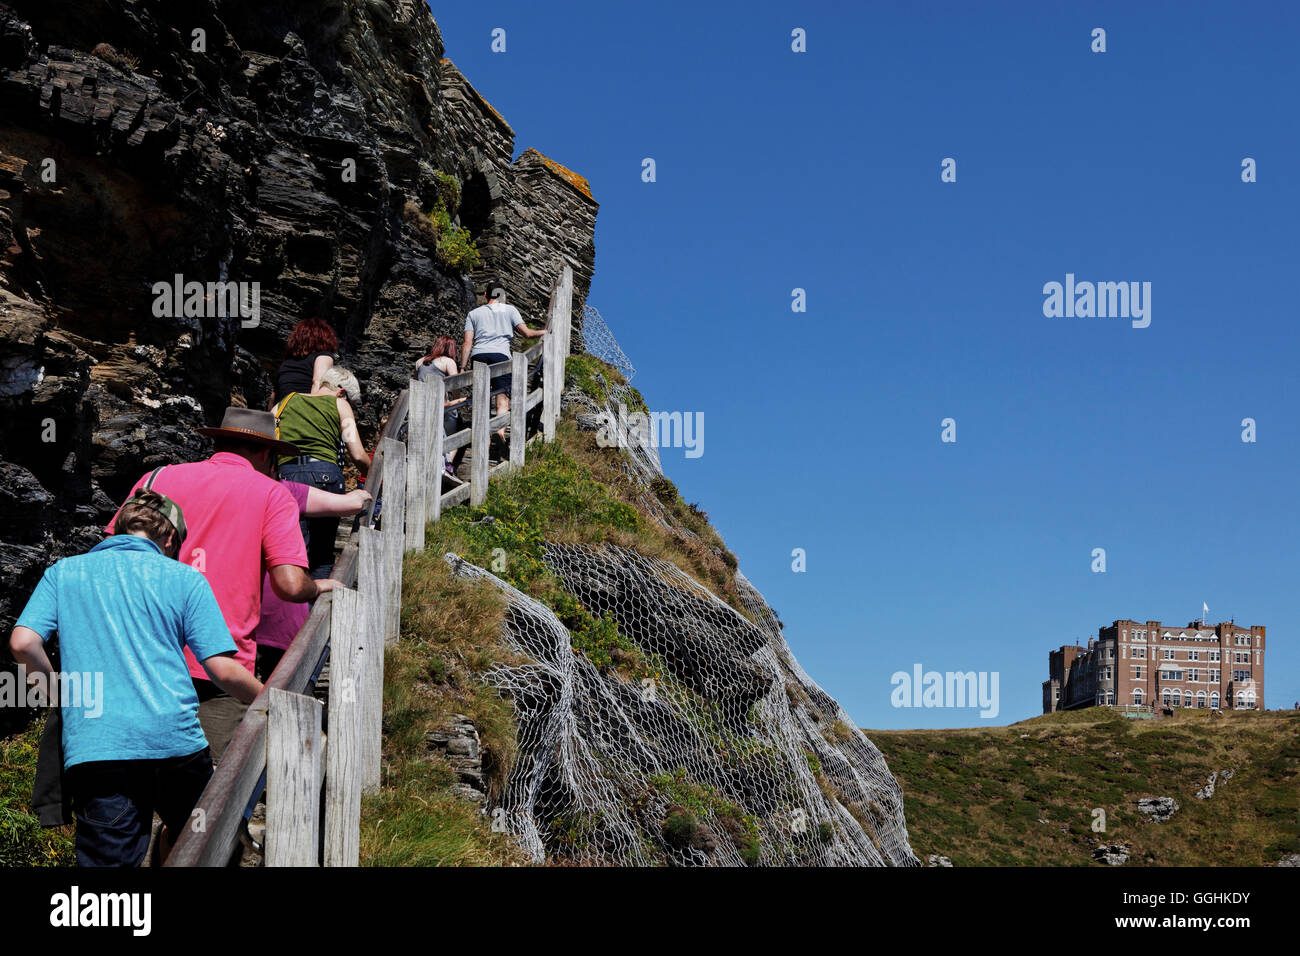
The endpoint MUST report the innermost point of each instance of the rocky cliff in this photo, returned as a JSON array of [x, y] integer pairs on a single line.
[[180, 182], [295, 146]]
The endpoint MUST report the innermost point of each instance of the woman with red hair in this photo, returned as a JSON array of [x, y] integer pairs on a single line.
[[311, 352], [442, 355], [441, 360]]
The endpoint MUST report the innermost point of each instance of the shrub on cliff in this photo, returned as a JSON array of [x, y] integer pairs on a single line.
[[452, 245]]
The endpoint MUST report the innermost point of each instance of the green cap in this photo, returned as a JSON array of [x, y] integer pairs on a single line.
[[168, 509]]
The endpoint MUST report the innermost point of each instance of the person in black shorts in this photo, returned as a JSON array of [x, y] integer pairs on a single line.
[[489, 330]]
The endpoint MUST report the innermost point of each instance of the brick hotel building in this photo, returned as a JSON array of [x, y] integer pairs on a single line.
[[1130, 662]]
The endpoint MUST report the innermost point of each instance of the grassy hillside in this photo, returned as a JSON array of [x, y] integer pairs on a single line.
[[1025, 794], [571, 490]]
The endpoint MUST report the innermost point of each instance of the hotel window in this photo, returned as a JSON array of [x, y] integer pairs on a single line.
[[1200, 699], [1169, 653], [1137, 671], [1214, 700], [1242, 640], [1137, 695], [1187, 698], [1139, 653], [1214, 655], [1193, 655], [1240, 677], [1110, 698], [1214, 677], [1164, 696], [1194, 675]]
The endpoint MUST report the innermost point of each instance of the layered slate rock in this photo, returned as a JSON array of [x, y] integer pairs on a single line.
[[262, 142]]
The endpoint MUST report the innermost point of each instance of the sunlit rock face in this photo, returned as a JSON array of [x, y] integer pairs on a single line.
[[183, 180]]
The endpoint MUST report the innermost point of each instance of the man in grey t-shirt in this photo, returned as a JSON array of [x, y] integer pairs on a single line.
[[489, 330]]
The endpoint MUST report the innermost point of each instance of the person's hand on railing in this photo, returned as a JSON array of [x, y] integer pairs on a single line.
[[326, 584], [359, 498]]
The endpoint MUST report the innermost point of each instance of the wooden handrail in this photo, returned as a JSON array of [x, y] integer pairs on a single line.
[[212, 836]]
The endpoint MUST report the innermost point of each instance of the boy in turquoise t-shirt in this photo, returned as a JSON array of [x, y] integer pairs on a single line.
[[132, 743]]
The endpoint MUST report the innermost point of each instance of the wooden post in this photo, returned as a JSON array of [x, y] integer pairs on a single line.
[[559, 319], [417, 464], [293, 779], [566, 281], [374, 485], [371, 678], [379, 578], [550, 394], [437, 397], [518, 397], [393, 487], [482, 414], [380, 587], [343, 778]]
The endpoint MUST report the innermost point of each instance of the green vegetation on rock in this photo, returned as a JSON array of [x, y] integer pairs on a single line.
[[23, 842], [452, 245]]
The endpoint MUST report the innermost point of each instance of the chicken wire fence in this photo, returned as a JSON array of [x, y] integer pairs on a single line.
[[716, 750], [706, 743], [599, 341], [641, 463]]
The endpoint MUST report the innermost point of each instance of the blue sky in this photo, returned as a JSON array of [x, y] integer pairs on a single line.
[[778, 170]]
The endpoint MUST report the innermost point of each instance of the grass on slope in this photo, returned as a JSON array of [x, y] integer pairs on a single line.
[[22, 840], [450, 635], [1025, 794], [569, 490]]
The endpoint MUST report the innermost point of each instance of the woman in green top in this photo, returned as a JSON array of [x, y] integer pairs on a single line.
[[323, 426]]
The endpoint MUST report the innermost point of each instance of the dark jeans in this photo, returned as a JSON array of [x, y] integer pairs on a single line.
[[114, 802], [499, 385], [319, 533]]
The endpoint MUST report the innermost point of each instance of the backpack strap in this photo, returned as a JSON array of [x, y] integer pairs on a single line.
[[279, 410]]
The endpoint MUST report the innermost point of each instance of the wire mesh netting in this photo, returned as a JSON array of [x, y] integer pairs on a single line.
[[641, 463], [599, 341], [724, 754], [713, 747]]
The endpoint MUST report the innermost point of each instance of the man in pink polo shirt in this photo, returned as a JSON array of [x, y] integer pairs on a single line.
[[241, 523]]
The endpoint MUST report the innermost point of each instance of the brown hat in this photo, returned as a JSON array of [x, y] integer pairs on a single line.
[[249, 424]]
